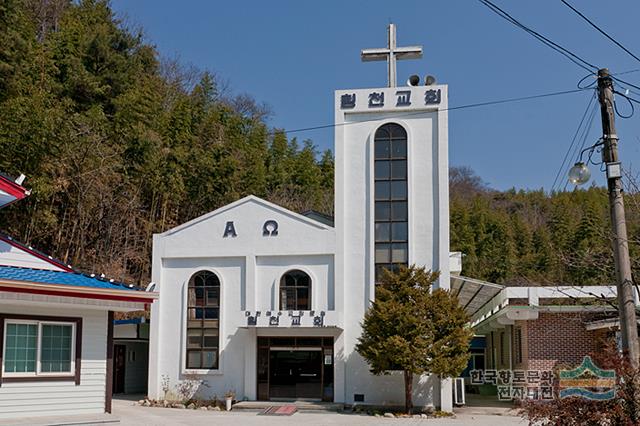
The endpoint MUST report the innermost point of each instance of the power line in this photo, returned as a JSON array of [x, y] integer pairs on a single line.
[[592, 75], [562, 50], [555, 46], [625, 82], [615, 106], [626, 72], [630, 99], [474, 105], [573, 141], [585, 133], [621, 86], [600, 30]]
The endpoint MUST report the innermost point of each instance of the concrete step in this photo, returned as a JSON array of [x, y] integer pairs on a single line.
[[303, 406]]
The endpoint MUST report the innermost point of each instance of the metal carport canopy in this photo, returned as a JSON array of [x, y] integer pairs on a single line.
[[473, 294]]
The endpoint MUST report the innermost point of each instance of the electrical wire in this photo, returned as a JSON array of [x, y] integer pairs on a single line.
[[615, 106], [600, 30], [562, 50], [625, 95], [585, 133], [629, 98], [619, 80], [454, 108], [587, 128], [627, 90], [588, 86], [626, 72], [573, 141], [555, 46]]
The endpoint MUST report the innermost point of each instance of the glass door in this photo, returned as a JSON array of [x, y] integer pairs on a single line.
[[295, 374]]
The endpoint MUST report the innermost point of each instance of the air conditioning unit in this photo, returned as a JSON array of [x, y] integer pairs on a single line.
[[458, 391]]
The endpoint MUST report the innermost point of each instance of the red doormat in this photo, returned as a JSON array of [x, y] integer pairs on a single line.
[[280, 410]]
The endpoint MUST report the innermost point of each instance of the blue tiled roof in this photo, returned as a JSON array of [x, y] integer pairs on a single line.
[[76, 279]]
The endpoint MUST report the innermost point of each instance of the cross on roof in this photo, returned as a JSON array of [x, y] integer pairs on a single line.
[[391, 54]]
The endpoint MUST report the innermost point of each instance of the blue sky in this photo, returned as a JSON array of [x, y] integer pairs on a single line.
[[292, 55]]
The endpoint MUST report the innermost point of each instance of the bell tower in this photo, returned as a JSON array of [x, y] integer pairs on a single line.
[[391, 192]]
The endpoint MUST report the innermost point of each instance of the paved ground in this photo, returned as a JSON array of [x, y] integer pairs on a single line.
[[131, 415]]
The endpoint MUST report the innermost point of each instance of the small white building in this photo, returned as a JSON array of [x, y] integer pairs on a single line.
[[56, 330], [268, 303]]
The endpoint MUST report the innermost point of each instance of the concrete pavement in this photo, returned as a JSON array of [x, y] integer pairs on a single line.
[[127, 413], [134, 415]]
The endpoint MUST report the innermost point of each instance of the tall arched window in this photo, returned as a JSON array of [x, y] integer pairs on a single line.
[[203, 320], [295, 291], [391, 213]]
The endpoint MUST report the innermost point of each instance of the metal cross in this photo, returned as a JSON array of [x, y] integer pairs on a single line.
[[391, 54]]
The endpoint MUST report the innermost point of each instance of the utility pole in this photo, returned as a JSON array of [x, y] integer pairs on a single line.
[[626, 299]]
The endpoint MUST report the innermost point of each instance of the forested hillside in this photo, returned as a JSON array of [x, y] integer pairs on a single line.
[[532, 237], [118, 143]]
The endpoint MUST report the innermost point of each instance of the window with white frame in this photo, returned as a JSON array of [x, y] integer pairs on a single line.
[[38, 348], [295, 291], [391, 196], [203, 321]]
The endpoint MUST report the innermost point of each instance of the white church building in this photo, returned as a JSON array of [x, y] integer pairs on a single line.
[[268, 303]]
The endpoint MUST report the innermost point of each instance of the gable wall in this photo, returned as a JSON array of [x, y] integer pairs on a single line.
[[249, 266]]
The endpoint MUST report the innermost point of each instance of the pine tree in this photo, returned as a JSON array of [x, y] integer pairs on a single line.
[[415, 329], [462, 237], [544, 261], [118, 143]]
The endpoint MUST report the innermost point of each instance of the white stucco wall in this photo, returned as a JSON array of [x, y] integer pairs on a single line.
[[249, 267], [340, 261], [62, 398], [428, 206], [269, 270]]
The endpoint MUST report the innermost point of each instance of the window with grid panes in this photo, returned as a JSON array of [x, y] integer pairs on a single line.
[[391, 211], [295, 291], [37, 348], [203, 320]]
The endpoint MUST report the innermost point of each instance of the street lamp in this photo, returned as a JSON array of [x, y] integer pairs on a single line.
[[579, 174]]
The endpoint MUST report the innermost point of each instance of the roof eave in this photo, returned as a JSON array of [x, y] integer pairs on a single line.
[[12, 188], [78, 291]]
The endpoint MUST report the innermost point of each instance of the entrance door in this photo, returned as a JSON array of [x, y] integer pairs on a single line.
[[295, 374], [119, 361]]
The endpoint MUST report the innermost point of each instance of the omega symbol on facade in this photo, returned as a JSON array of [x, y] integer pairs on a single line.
[[270, 228]]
